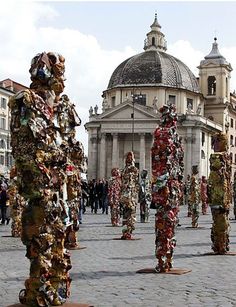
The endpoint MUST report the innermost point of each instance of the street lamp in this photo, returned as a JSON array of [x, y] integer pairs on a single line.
[[135, 98]]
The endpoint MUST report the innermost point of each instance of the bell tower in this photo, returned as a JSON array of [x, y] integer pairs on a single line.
[[214, 83]]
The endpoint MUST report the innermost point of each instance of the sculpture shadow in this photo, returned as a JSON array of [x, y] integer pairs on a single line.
[[100, 274]]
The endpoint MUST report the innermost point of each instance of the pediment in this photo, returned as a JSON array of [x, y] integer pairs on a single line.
[[124, 111]]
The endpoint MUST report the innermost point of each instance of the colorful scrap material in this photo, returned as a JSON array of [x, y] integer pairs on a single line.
[[145, 196], [220, 195], [204, 197], [129, 194], [114, 187], [167, 185], [195, 196], [42, 131]]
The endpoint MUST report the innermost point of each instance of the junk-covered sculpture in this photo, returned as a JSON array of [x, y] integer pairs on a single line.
[[129, 194], [144, 196], [17, 204], [114, 187], [195, 196], [220, 195], [167, 177], [42, 131], [204, 197], [234, 195]]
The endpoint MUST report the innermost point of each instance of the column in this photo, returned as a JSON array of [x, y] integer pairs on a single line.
[[115, 153], [188, 153], [142, 151], [102, 161], [93, 163]]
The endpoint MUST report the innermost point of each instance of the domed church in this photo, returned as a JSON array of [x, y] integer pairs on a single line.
[[137, 89]]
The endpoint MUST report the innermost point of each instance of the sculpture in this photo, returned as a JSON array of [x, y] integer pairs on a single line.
[[144, 196], [167, 177], [114, 186], [41, 138], [220, 195], [129, 193], [194, 196]]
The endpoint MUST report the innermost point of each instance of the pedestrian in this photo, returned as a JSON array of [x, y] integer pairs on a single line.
[[3, 204], [105, 197]]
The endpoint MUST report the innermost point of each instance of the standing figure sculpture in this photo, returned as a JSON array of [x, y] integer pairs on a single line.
[[234, 195], [204, 197], [129, 193], [144, 197], [220, 195], [167, 178], [17, 204], [114, 186], [195, 196], [187, 195], [37, 132]]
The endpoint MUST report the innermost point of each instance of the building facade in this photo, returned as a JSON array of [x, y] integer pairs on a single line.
[[7, 89], [139, 86]]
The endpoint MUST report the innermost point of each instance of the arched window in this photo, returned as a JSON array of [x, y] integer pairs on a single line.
[[2, 144], [153, 41], [203, 155], [211, 85]]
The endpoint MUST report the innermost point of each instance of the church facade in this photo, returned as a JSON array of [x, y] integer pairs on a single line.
[[139, 86]]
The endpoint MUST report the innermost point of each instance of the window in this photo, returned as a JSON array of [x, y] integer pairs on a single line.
[[203, 155], [211, 118], [2, 144], [153, 41], [211, 85], [140, 99], [235, 158], [226, 87], [189, 103], [113, 100], [172, 99], [231, 157], [1, 159], [231, 122], [2, 123], [231, 140], [3, 103], [203, 138]]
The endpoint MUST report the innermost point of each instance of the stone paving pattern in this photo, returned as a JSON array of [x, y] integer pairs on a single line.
[[104, 274]]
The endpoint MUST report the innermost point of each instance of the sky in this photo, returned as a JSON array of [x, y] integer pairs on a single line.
[[95, 37]]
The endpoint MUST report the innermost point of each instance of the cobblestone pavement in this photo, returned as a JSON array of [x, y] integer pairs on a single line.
[[104, 274]]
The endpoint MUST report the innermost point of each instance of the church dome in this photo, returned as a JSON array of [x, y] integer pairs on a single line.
[[154, 68]]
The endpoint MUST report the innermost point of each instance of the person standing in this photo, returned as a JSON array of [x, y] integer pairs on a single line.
[[3, 203]]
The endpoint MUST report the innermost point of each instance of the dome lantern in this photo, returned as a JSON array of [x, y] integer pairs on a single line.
[[155, 38]]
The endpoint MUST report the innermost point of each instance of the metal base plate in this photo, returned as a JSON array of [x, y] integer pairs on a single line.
[[132, 239], [64, 305], [174, 271]]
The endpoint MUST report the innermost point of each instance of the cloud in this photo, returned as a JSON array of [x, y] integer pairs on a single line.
[[184, 51], [88, 66]]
